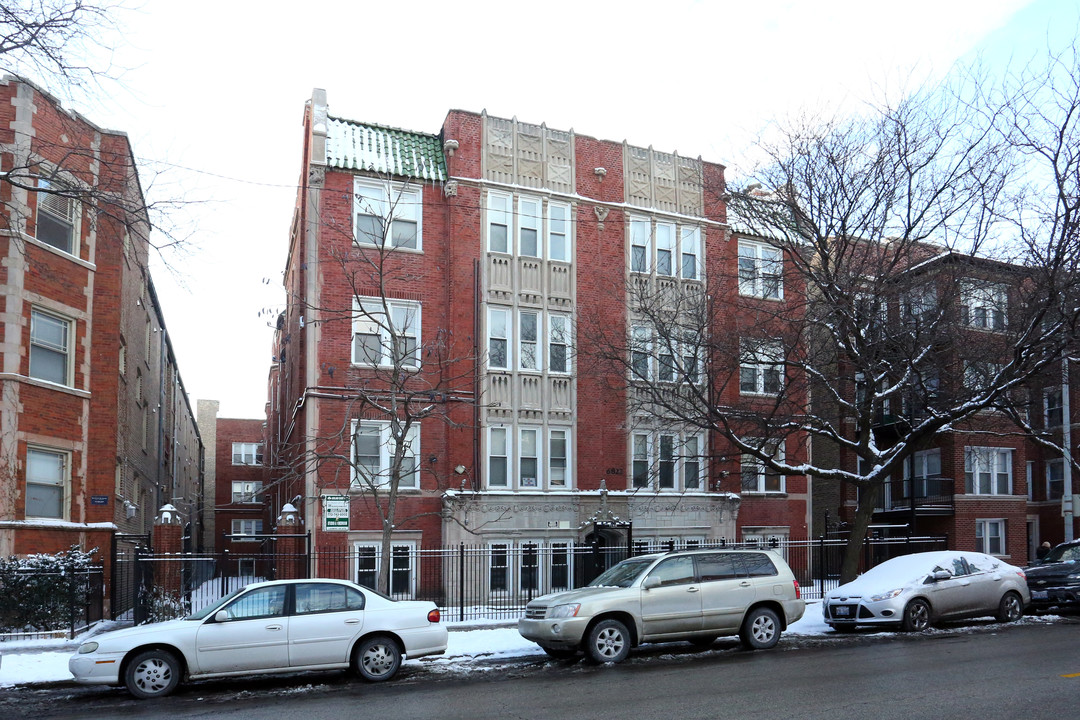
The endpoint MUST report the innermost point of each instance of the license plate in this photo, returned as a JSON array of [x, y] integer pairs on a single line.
[[841, 611], [1038, 594]]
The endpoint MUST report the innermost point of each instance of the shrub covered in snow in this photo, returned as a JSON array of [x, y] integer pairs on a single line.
[[41, 591]]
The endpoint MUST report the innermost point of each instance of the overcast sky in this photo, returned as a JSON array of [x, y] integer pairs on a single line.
[[214, 95]]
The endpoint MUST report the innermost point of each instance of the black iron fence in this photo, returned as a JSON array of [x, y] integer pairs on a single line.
[[470, 582], [37, 604]]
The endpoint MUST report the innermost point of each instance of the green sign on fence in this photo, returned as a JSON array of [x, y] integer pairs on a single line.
[[335, 512]]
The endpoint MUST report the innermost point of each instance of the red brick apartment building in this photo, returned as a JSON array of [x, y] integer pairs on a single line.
[[508, 239], [96, 432]]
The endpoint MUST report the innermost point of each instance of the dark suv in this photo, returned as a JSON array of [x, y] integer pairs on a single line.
[[1054, 581]]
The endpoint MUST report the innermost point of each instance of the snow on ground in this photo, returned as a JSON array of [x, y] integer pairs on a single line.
[[46, 660]]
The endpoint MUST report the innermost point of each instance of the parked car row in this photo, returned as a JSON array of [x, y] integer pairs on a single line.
[[692, 595]]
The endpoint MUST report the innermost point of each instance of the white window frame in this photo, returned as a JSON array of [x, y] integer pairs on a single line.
[[665, 241], [568, 467], [636, 457], [508, 547], [392, 202], [386, 450], [526, 482], [500, 211], [519, 554], [529, 217], [63, 482], [410, 552], [688, 457], [247, 491], [247, 526], [641, 345], [655, 458], [761, 356], [371, 320], [507, 442], [984, 538], [754, 268], [667, 461], [526, 344], [505, 336], [557, 337], [246, 450], [762, 475], [565, 546], [984, 305], [61, 210], [552, 232], [637, 223], [63, 349], [1000, 462], [1059, 407], [690, 247]]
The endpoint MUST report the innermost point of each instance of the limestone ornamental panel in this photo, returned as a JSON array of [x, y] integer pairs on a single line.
[[560, 288], [531, 291], [560, 397], [498, 399], [663, 181], [500, 278], [528, 155]]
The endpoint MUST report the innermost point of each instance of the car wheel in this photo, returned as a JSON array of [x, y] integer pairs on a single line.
[[760, 629], [843, 627], [377, 658], [152, 674], [703, 642], [1010, 608], [916, 616], [559, 653], [608, 642]]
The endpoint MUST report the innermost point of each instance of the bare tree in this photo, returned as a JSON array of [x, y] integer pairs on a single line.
[[894, 299], [398, 377]]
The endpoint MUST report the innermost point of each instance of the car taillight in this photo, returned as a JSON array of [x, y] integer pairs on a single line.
[[1022, 574], [434, 616], [798, 593]]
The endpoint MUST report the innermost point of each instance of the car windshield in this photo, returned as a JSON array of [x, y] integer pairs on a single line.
[[1063, 553], [624, 574], [214, 607]]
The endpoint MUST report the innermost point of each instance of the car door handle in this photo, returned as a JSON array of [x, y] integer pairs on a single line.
[[692, 588], [273, 627], [744, 583], [352, 621]]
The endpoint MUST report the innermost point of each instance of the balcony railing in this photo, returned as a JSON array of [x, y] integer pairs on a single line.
[[926, 495]]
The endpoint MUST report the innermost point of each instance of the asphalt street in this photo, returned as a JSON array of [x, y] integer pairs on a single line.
[[982, 671]]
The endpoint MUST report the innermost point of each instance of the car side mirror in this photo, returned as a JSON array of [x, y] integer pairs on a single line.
[[941, 575], [650, 582], [221, 616]]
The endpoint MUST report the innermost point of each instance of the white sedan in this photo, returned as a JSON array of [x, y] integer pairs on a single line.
[[914, 591], [267, 627]]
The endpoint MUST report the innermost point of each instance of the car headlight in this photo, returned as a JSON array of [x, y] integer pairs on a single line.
[[564, 611], [886, 595], [1074, 576], [88, 648]]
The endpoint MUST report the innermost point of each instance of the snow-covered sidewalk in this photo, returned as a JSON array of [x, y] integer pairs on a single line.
[[46, 661]]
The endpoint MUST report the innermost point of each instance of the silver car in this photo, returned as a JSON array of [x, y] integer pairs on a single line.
[[914, 591], [695, 595]]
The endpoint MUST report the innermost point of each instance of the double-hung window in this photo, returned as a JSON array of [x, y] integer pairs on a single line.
[[247, 527], [666, 461], [46, 483], [247, 492], [498, 458], [693, 451], [666, 477], [529, 457], [760, 270], [499, 212], [919, 305], [640, 353], [1054, 412], [756, 478], [1055, 479], [987, 471], [56, 217], [984, 305], [529, 339], [50, 347], [558, 231], [979, 375], [558, 343], [373, 454], [388, 214], [691, 251], [990, 537], [640, 245], [499, 338], [529, 227], [558, 458], [642, 459], [665, 248], [243, 453], [387, 333], [761, 369], [516, 458]]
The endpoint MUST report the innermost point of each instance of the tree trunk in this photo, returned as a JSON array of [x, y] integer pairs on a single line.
[[868, 497]]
